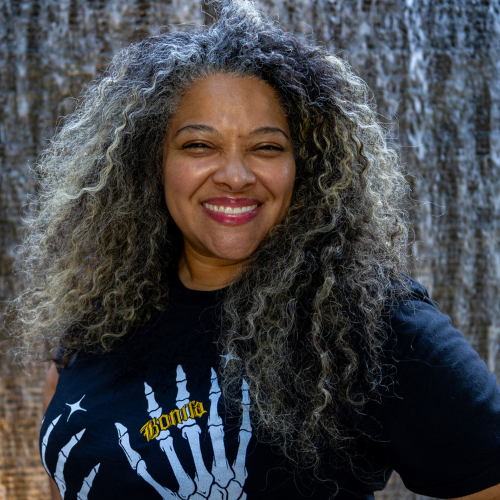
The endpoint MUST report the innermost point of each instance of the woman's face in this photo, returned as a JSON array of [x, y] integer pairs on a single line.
[[228, 166]]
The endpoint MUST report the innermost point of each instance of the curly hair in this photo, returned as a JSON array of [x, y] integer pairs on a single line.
[[305, 314]]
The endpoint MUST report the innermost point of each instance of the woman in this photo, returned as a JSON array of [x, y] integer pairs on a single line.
[[218, 250]]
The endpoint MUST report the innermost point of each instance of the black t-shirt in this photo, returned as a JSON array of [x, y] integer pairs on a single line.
[[147, 420]]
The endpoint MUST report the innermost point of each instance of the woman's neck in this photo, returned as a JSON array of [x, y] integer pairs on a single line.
[[199, 272]]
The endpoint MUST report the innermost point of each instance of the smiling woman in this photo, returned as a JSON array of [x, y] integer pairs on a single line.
[[228, 173], [218, 251]]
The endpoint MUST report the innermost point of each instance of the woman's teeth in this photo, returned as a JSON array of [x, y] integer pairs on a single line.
[[229, 210]]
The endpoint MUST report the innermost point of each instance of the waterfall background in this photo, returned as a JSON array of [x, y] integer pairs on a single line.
[[433, 67]]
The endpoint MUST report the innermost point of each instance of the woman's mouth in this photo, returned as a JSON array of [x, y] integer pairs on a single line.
[[232, 215], [230, 210]]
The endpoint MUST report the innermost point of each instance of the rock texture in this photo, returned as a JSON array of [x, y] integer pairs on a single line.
[[434, 70]]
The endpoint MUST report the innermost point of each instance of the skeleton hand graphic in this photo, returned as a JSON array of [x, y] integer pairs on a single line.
[[63, 457], [223, 482]]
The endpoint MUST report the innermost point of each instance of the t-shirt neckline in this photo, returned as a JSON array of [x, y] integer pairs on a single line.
[[187, 297]]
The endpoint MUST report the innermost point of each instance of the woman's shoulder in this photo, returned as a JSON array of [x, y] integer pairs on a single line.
[[438, 415], [425, 347], [416, 324]]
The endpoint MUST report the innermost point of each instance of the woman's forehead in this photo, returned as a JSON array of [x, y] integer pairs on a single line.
[[222, 100]]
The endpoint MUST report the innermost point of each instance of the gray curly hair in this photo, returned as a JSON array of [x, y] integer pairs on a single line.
[[305, 315]]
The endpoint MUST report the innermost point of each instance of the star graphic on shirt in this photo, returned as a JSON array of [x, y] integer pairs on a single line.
[[228, 357], [75, 407]]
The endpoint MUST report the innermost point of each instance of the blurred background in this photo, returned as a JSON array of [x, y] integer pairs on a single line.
[[433, 66]]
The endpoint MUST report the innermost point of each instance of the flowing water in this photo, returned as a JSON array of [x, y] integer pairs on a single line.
[[434, 70]]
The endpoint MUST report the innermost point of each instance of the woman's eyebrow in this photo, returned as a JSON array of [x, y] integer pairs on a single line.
[[199, 128], [268, 130], [211, 130]]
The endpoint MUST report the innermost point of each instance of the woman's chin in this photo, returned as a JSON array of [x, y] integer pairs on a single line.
[[233, 257], [232, 253]]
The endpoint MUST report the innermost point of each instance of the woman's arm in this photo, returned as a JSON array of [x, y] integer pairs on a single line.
[[48, 393], [50, 386], [492, 493]]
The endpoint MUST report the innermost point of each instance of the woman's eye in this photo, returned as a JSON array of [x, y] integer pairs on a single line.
[[270, 147], [195, 145]]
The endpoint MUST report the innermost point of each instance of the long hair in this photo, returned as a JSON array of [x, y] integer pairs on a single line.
[[305, 315]]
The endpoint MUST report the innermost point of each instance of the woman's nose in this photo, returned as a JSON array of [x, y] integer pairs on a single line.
[[234, 172]]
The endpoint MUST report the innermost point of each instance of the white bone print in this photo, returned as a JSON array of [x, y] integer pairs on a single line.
[[224, 482], [61, 461], [186, 484], [87, 484], [236, 485], [191, 431], [220, 466], [45, 440], [138, 464]]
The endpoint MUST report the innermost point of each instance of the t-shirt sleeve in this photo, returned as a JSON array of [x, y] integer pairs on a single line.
[[438, 423], [60, 352]]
